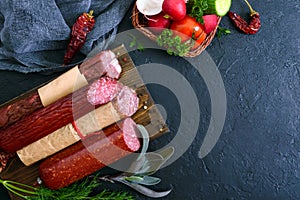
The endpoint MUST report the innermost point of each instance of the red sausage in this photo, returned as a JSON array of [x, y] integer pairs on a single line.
[[18, 108], [89, 155], [58, 114], [104, 63]]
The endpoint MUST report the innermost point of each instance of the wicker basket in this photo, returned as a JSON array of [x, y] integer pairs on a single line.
[[139, 22]]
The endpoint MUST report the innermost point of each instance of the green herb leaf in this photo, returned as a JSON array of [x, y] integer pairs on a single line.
[[143, 180], [134, 178], [136, 43], [222, 31], [196, 9], [173, 45], [144, 190]]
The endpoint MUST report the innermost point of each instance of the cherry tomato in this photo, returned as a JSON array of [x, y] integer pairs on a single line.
[[188, 28]]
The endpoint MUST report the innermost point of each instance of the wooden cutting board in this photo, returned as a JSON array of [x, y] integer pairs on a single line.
[[148, 115]]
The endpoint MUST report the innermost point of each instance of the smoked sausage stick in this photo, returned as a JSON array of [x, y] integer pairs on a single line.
[[90, 155]]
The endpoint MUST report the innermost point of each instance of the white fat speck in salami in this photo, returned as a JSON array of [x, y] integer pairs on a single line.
[[103, 90], [130, 134], [126, 101]]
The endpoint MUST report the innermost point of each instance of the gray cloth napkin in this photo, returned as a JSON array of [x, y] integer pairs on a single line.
[[35, 34]]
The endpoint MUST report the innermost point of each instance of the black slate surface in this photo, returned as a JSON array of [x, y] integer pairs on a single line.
[[257, 156]]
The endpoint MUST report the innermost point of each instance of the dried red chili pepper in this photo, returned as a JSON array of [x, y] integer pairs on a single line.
[[242, 25], [83, 25]]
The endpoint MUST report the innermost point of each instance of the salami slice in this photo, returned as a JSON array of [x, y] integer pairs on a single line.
[[89, 155], [126, 101], [103, 90], [48, 119]]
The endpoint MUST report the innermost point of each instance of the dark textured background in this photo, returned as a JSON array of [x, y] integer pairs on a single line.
[[258, 154]]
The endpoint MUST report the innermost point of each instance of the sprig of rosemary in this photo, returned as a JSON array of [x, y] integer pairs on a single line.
[[174, 45], [196, 9]]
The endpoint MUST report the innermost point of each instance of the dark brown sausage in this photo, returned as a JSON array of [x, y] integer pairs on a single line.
[[18, 108], [58, 114], [4, 158], [104, 63], [89, 155]]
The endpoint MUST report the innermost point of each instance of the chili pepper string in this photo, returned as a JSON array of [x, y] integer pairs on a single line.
[[254, 24], [83, 25]]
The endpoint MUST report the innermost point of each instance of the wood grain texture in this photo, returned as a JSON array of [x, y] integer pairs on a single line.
[[148, 115]]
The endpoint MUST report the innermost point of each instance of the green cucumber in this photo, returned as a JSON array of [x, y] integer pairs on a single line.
[[218, 7]]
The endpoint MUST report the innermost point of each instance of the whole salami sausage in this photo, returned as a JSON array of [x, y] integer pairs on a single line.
[[89, 155], [103, 63], [48, 119]]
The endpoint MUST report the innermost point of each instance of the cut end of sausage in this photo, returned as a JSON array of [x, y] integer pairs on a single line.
[[104, 63], [113, 68], [103, 90], [126, 101], [130, 131]]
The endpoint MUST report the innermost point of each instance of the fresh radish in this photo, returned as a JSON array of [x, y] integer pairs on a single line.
[[175, 9], [210, 22], [149, 7], [158, 22]]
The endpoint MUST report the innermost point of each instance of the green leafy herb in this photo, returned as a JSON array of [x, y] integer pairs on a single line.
[[222, 31], [196, 9], [76, 191], [174, 45], [136, 43]]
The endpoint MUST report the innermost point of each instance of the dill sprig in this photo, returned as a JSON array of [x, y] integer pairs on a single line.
[[77, 191]]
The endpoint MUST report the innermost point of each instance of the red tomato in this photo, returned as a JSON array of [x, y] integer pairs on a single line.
[[188, 28]]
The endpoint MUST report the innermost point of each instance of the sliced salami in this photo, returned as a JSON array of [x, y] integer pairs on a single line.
[[126, 102], [103, 90]]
